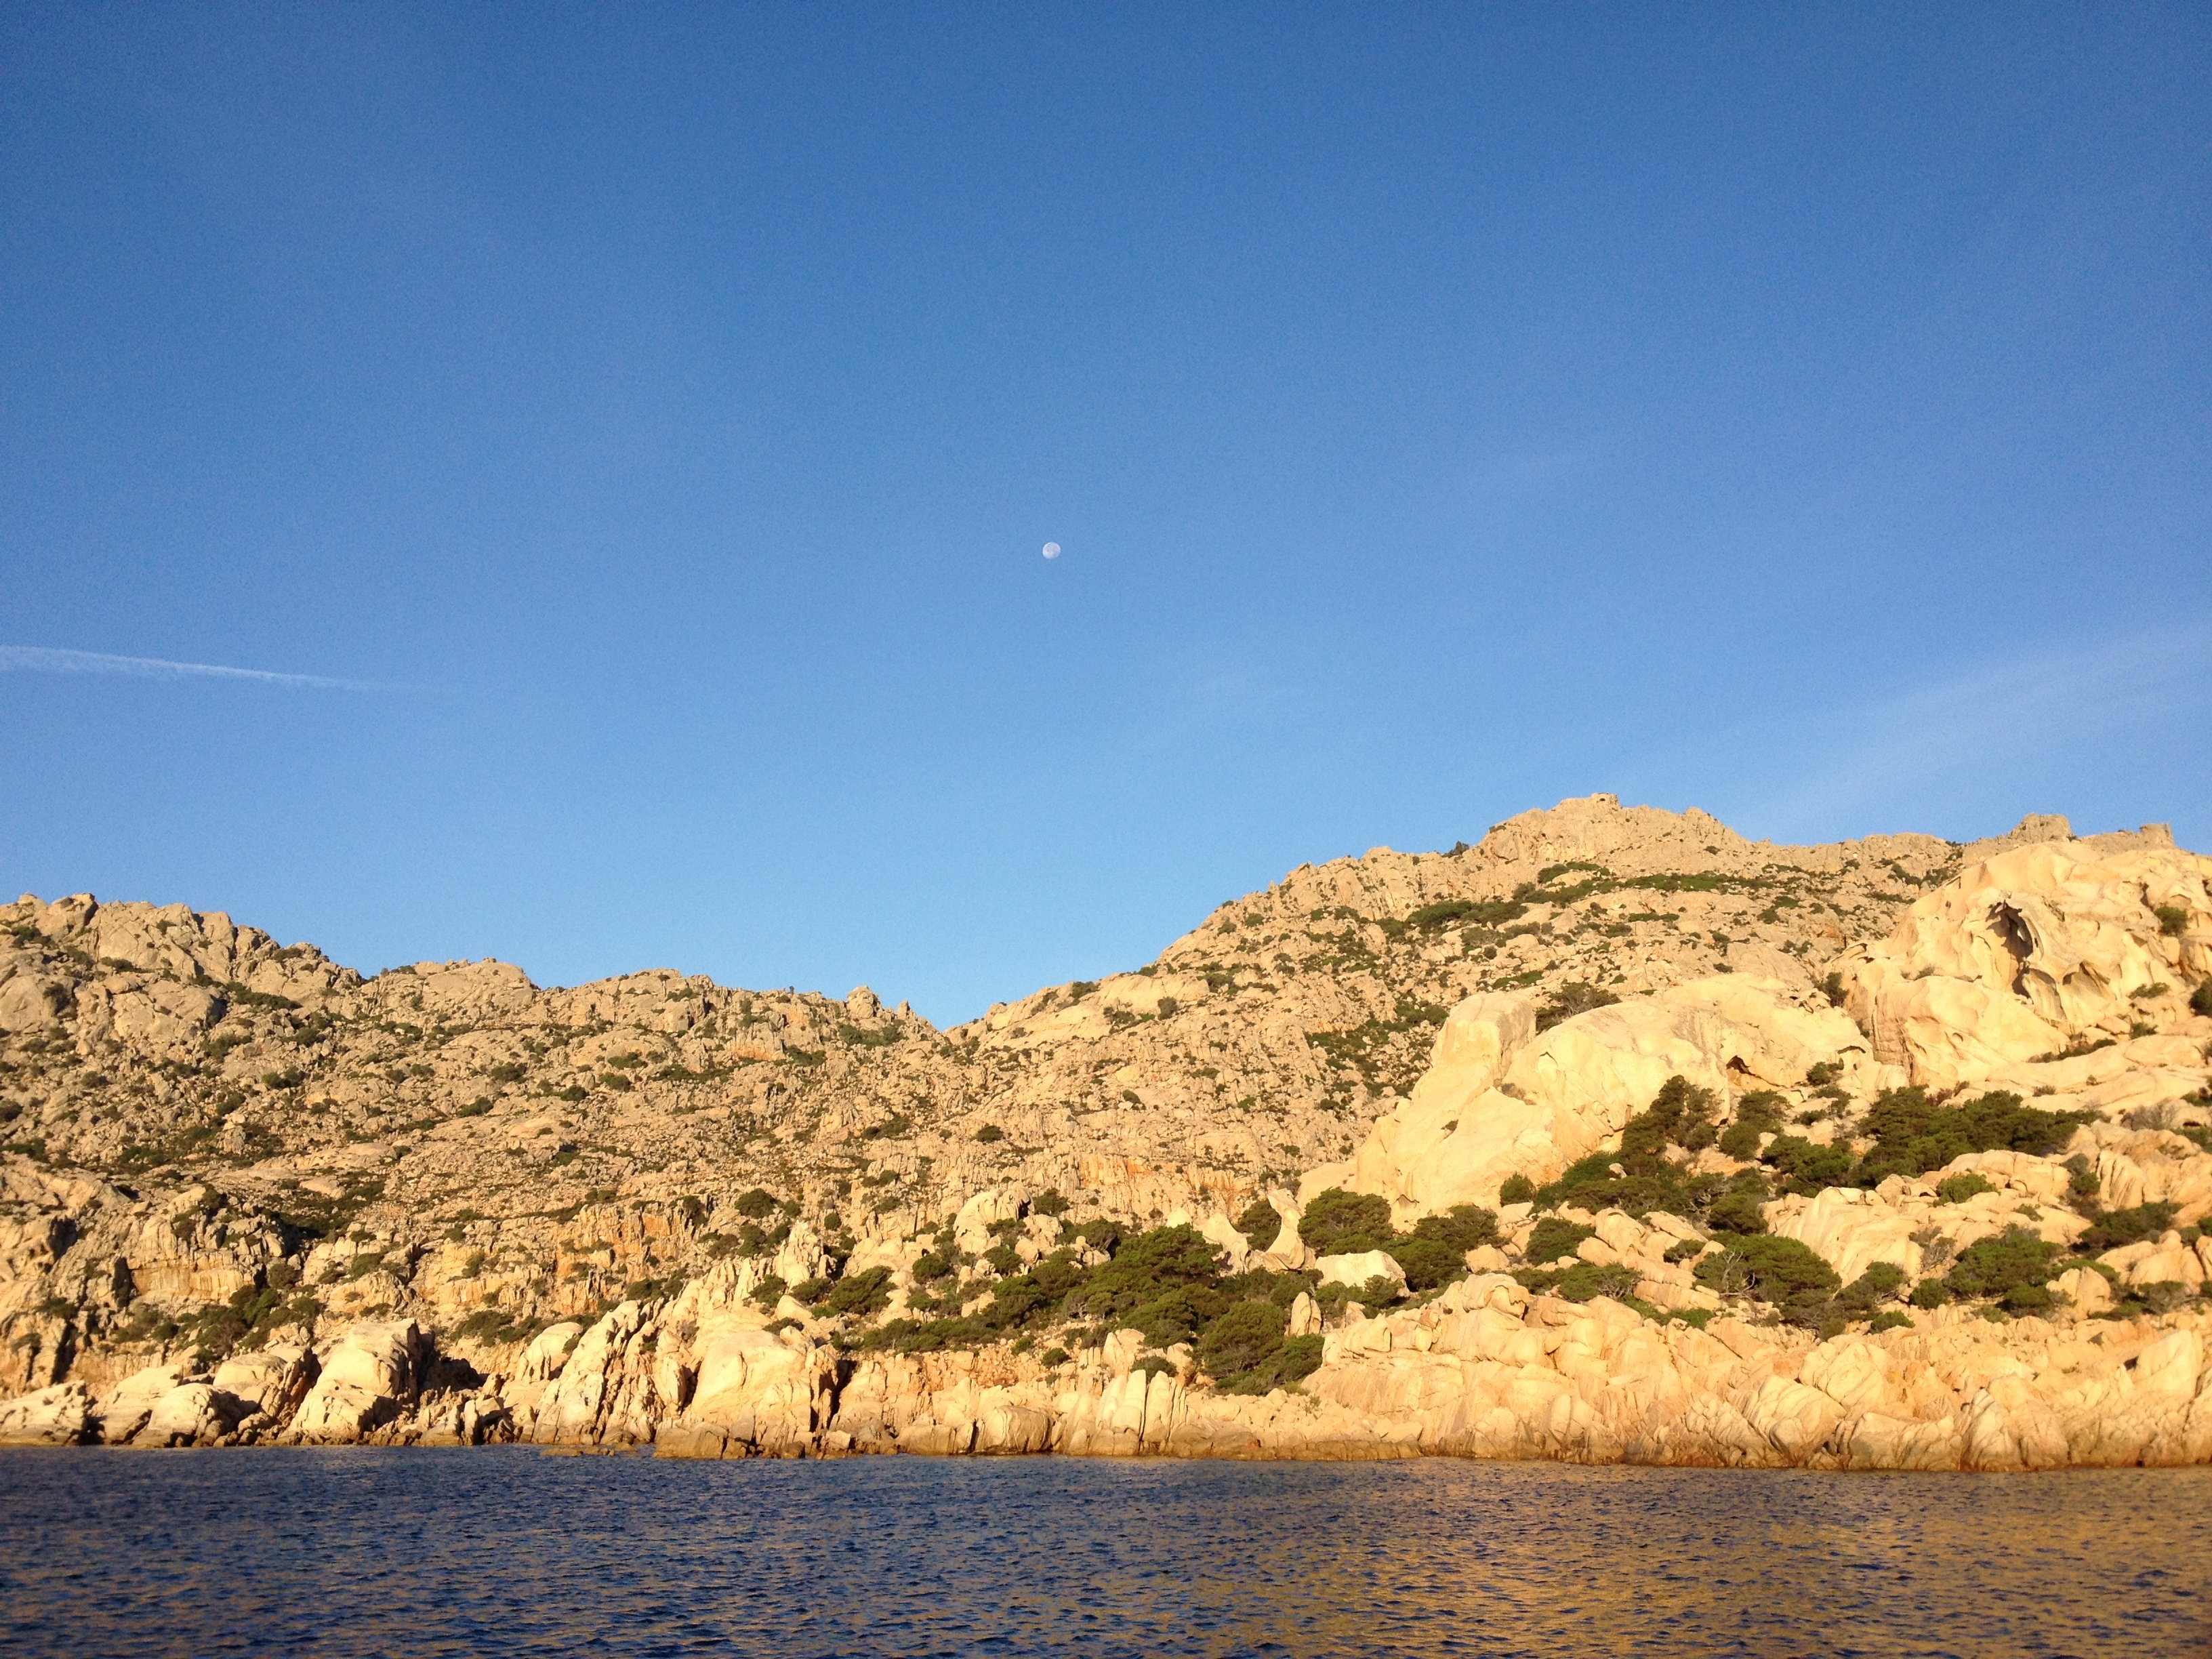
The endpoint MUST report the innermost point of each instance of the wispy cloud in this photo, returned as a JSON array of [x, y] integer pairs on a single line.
[[42, 659], [1971, 739], [1998, 713]]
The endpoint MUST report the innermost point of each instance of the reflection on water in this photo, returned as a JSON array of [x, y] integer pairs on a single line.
[[432, 1553]]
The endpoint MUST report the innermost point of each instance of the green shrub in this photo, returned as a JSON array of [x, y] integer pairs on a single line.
[[1778, 1271], [1680, 1113], [1889, 1318], [863, 1293], [989, 1132], [1756, 1114], [1912, 1135], [1572, 999], [1736, 1208], [1516, 1189], [808, 1291], [2162, 1296], [2109, 1228], [1958, 1189], [1996, 1266], [1553, 1238], [1293, 1359], [1258, 1223], [2173, 919], [1930, 1293], [1586, 1280], [756, 1204], [2200, 999], [1806, 1166], [1244, 1336], [1428, 1262], [1879, 1283], [1464, 1227], [1338, 1223], [1640, 1178]]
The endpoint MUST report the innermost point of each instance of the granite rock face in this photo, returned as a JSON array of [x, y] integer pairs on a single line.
[[249, 1196]]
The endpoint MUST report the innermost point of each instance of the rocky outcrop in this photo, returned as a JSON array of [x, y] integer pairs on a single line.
[[1503, 1099], [249, 1197], [58, 1416], [371, 1377], [2028, 952]]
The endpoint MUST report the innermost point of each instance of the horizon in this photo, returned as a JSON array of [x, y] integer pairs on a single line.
[[932, 500], [827, 993]]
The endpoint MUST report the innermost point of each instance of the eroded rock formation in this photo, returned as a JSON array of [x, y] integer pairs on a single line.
[[1511, 1152]]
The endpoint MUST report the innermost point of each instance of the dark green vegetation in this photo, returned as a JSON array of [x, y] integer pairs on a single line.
[[1170, 1283], [1911, 1135], [1338, 1223]]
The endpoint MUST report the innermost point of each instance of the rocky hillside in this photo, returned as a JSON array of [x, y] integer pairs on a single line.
[[242, 1180]]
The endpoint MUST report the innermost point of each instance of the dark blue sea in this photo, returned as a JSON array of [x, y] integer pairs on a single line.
[[427, 1553]]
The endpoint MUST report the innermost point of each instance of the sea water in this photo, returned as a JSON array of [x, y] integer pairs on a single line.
[[502, 1551]]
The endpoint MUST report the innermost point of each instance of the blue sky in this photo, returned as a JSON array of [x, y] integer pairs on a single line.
[[648, 422]]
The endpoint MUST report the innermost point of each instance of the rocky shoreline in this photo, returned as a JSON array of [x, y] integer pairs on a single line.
[[1932, 1199]]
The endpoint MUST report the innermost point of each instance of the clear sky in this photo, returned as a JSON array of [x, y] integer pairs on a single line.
[[641, 426]]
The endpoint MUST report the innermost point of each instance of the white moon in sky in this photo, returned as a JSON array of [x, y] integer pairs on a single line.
[[1052, 549]]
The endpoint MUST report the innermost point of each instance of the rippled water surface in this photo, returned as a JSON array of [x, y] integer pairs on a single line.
[[492, 1551]]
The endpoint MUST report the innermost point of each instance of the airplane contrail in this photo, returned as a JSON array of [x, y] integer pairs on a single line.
[[38, 658]]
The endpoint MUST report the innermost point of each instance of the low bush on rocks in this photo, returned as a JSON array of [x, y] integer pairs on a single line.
[[1572, 999], [1169, 1283], [2109, 1228], [1246, 1335], [2014, 1261], [1553, 1238], [1780, 1272], [861, 1294], [1912, 1135], [1338, 1223], [1958, 1189]]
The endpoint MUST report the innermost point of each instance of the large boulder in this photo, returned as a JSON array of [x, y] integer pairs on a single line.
[[2027, 951], [368, 1379], [1501, 1099], [192, 1414], [1357, 1268], [58, 1416], [757, 1390], [123, 1410], [270, 1381]]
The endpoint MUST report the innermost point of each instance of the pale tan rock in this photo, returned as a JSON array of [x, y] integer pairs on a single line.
[[2021, 953], [270, 1380], [366, 1380], [124, 1409], [1501, 1100], [1359, 1266], [60, 1415], [192, 1414], [2086, 1289], [759, 1389]]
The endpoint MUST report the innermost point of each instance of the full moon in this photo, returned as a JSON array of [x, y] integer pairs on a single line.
[[1052, 549]]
